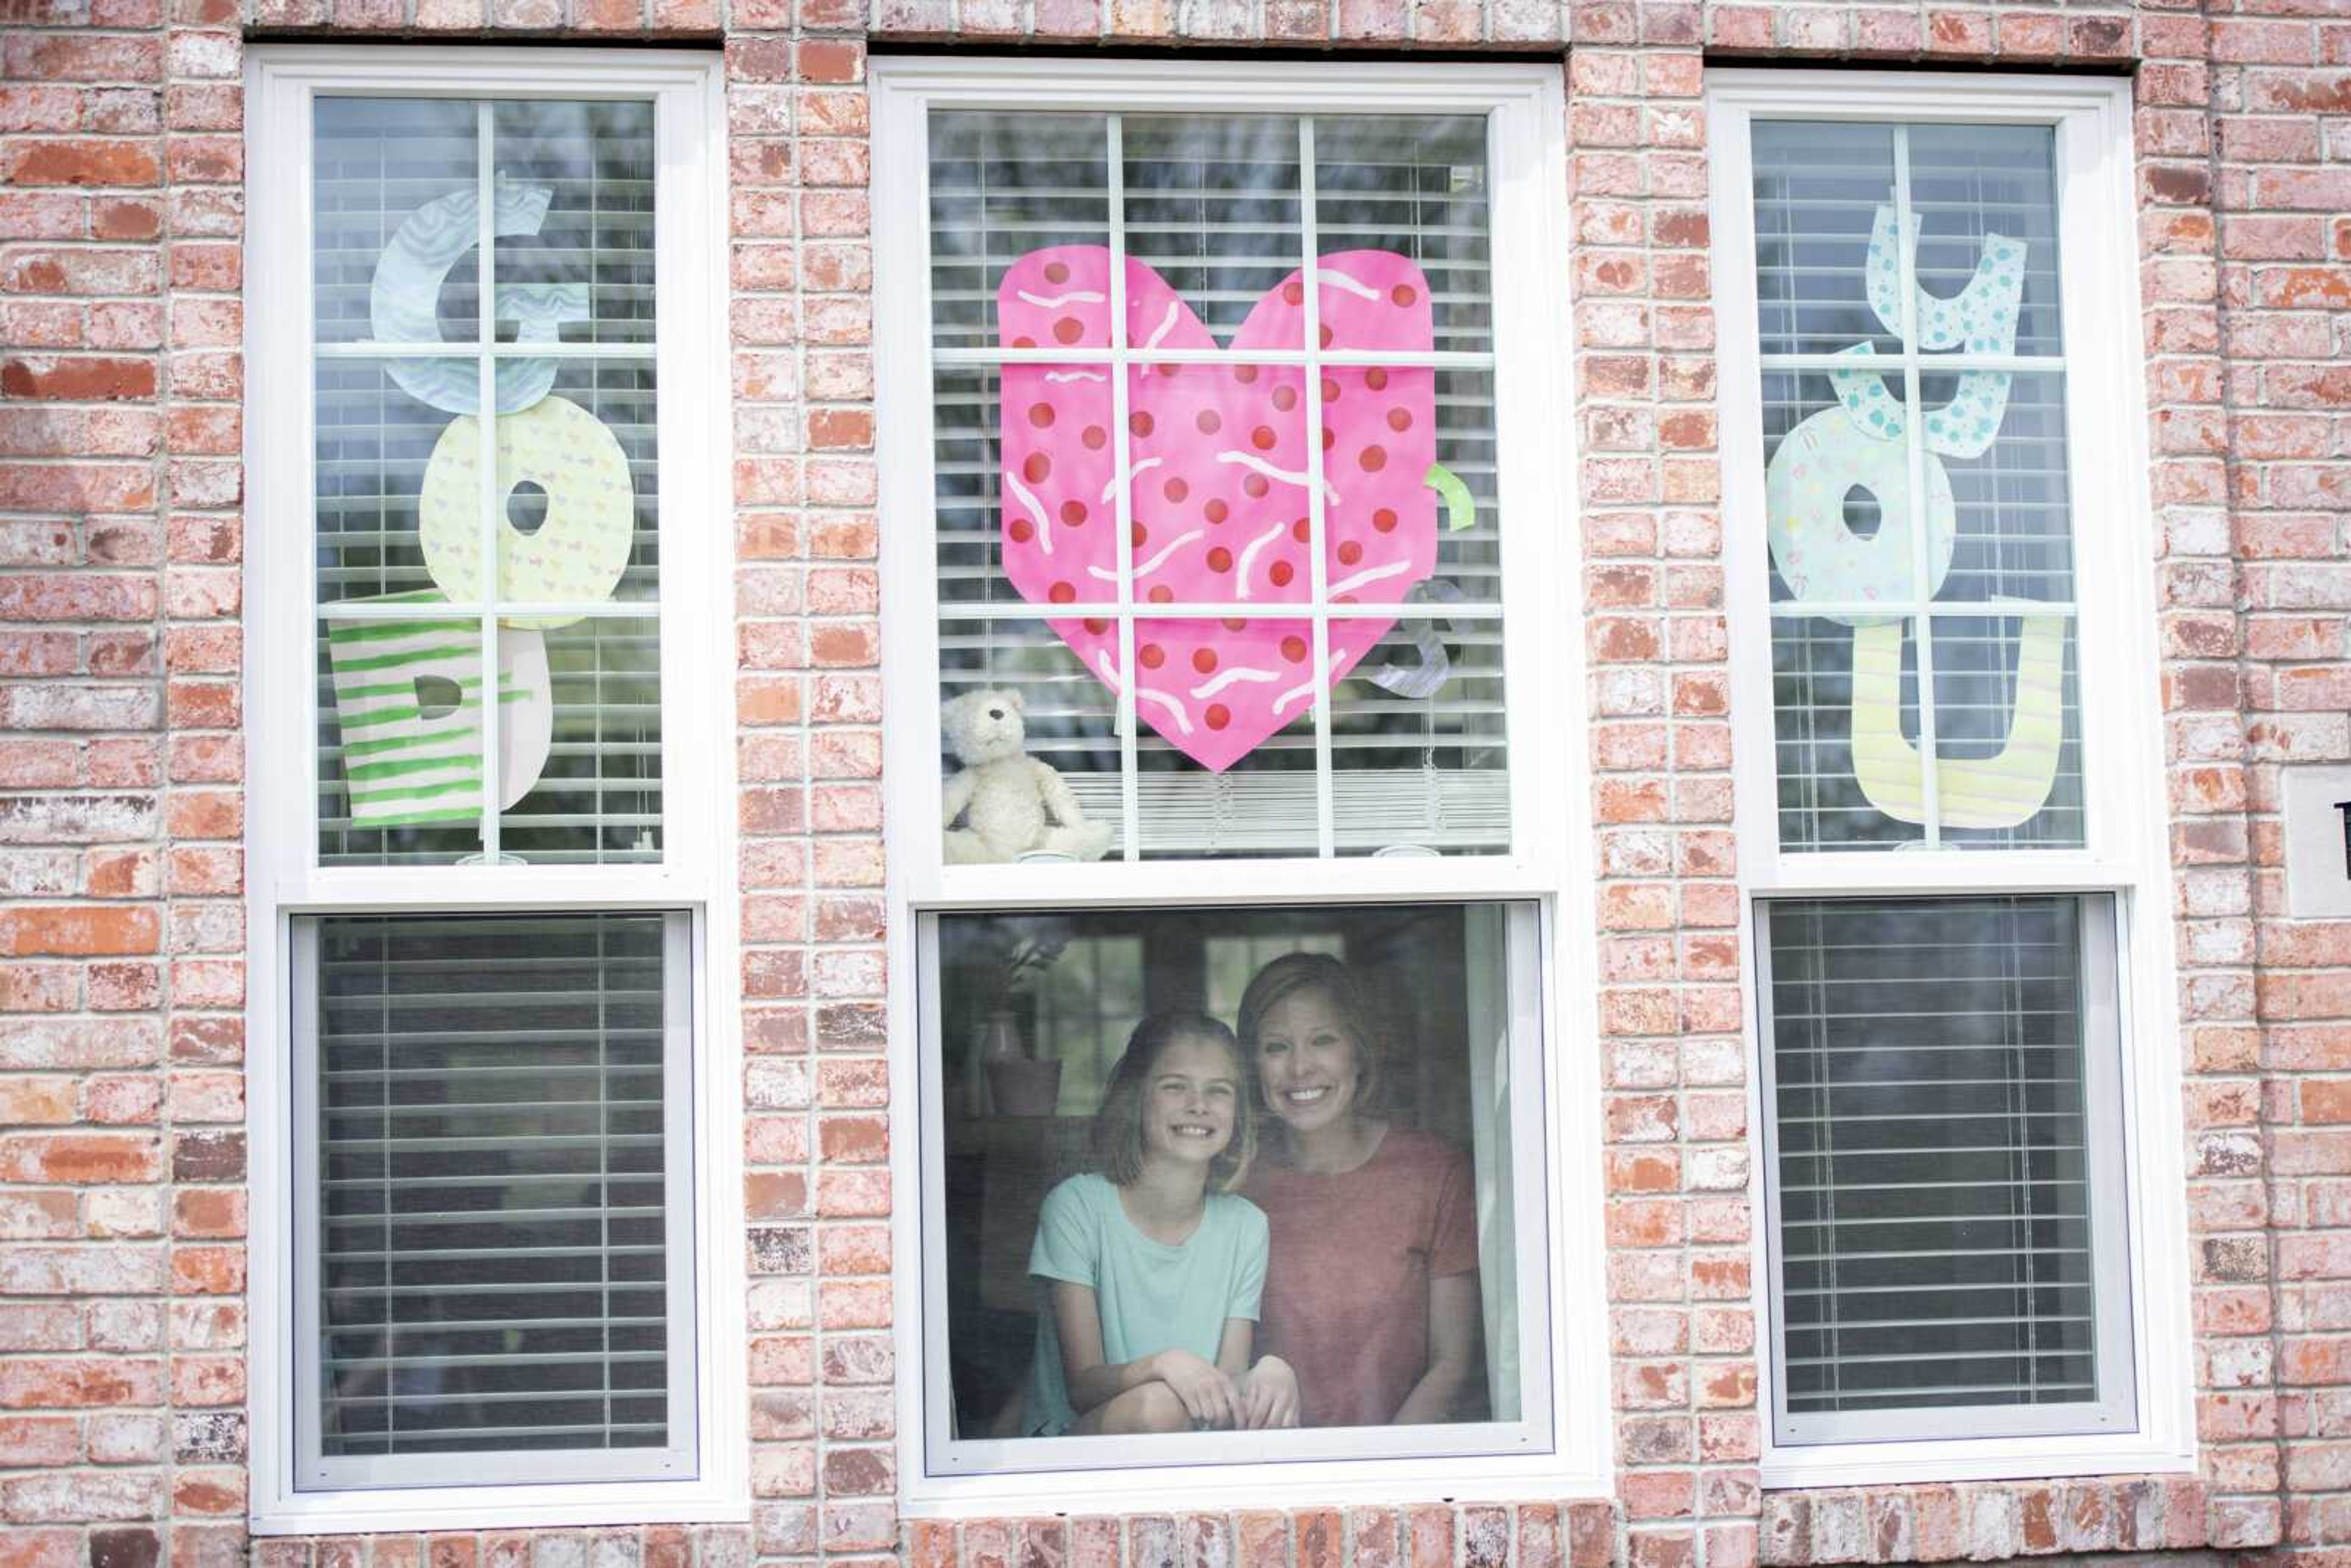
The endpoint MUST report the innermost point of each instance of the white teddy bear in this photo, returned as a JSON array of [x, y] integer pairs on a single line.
[[1012, 804]]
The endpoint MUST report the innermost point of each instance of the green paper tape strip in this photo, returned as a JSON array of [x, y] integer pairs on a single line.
[[1460, 507]]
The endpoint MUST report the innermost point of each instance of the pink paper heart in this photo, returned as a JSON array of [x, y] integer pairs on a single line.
[[1217, 460]]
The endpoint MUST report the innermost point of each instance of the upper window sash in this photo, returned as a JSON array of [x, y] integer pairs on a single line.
[[640, 396], [1096, 743], [2057, 382]]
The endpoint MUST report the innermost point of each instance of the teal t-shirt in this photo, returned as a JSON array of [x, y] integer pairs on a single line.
[[1152, 1297]]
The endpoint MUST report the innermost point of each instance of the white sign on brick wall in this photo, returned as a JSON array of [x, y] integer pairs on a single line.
[[2317, 843]]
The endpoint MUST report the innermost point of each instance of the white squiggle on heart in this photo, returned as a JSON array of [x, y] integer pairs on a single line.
[[1055, 301], [1144, 466], [1237, 673], [1249, 557], [1355, 286], [1110, 679], [1058, 377], [1251, 460], [1292, 695], [1166, 325], [1155, 563], [1369, 574], [1044, 525]]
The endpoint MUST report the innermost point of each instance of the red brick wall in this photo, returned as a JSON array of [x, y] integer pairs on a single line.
[[121, 1153]]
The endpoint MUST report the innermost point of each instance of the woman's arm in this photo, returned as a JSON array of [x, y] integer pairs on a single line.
[[1455, 1325], [1206, 1390]]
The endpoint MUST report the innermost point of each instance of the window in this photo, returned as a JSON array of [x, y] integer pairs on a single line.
[[484, 897], [1235, 398], [1948, 829]]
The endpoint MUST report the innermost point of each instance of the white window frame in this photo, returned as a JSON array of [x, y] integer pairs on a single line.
[[2127, 852], [1549, 860], [285, 878]]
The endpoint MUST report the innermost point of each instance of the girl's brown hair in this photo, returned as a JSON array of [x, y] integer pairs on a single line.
[[1291, 973], [1118, 1126]]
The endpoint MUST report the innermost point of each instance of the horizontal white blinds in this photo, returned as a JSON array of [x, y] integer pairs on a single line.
[[1409, 748], [1918, 498], [492, 1214], [1936, 1131], [394, 265]]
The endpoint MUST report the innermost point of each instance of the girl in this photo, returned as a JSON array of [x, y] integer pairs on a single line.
[[1150, 1271], [1374, 1286]]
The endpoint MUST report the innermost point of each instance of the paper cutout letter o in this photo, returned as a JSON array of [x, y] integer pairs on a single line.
[[577, 555], [1819, 558]]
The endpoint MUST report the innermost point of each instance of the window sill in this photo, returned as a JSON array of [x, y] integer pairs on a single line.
[[499, 1508], [1969, 1459], [1220, 1488]]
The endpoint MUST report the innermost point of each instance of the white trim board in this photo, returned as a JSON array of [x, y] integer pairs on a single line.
[[1550, 832], [696, 873], [2126, 853]]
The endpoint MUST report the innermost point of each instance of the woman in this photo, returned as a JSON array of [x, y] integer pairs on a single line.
[[1371, 1291]]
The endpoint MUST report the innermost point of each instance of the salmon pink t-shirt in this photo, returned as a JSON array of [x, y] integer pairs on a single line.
[[1346, 1282]]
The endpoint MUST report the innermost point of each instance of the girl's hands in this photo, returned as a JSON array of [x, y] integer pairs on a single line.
[[1270, 1395], [1208, 1396]]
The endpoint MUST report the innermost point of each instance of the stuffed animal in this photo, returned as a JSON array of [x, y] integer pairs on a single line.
[[1012, 804]]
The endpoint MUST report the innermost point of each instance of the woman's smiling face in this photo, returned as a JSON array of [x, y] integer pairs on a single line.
[[1191, 1101], [1308, 1064]]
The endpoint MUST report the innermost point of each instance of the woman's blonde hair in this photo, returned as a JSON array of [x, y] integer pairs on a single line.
[[1291, 973], [1118, 1126]]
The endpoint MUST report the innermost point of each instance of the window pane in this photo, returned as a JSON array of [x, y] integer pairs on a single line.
[[1934, 1118], [492, 1211], [410, 495], [1933, 472], [376, 161], [1204, 484], [1327, 1092]]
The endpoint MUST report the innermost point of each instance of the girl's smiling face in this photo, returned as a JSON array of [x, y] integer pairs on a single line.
[[1191, 1101], [1308, 1064]]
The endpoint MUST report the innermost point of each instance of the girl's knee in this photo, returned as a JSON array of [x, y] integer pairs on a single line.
[[1154, 1408]]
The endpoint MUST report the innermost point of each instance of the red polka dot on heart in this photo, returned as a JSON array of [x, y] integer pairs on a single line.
[[1036, 467], [1056, 272], [1140, 424], [1020, 531], [1218, 716], [1069, 330], [1376, 378], [1384, 520], [1399, 419], [1073, 513], [1285, 398], [1160, 594], [1350, 553], [1294, 649], [1403, 294], [1094, 437], [1175, 489], [1209, 422], [1040, 414], [1152, 655], [1282, 572], [1061, 593], [1216, 511], [1204, 660], [1373, 459], [1257, 485], [1220, 560], [1263, 438]]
